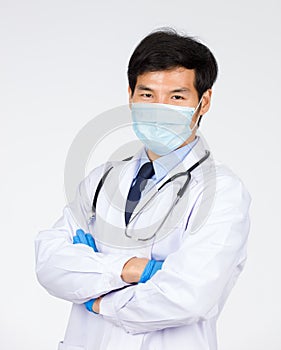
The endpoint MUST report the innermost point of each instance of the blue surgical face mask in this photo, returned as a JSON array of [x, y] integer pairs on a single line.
[[162, 128]]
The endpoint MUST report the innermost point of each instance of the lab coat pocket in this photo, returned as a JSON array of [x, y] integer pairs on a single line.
[[63, 346]]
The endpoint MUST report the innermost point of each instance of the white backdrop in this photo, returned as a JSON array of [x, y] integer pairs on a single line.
[[64, 61]]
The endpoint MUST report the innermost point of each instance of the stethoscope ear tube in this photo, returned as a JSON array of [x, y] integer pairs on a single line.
[[200, 161]]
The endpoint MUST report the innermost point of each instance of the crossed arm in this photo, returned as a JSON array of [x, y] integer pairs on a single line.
[[131, 273], [134, 270], [209, 260]]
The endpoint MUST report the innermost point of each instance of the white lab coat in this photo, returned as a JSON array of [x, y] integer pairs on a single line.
[[179, 306]]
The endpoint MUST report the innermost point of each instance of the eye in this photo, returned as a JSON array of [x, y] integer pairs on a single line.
[[177, 97], [146, 95]]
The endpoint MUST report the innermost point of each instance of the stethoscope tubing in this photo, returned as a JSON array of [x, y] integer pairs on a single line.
[[180, 193]]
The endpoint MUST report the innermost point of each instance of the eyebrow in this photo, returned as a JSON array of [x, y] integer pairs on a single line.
[[143, 87], [183, 89], [146, 88]]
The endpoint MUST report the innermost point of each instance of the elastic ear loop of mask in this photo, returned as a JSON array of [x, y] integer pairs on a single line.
[[197, 121]]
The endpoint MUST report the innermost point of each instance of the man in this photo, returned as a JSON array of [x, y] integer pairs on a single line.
[[153, 268]]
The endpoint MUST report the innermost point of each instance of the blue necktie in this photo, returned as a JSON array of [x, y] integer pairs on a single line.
[[146, 171]]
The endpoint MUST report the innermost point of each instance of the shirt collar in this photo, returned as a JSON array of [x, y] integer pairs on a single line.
[[163, 165]]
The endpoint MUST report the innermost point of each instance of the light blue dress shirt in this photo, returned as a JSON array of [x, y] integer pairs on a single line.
[[163, 165]]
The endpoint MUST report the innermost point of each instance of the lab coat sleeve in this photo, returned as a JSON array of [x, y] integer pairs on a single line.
[[75, 272], [196, 279]]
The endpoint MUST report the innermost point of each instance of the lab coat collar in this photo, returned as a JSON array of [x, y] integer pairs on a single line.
[[179, 161], [120, 178]]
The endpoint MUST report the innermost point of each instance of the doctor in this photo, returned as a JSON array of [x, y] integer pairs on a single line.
[[150, 270]]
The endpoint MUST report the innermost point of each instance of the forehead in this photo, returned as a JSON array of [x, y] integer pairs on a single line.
[[172, 78]]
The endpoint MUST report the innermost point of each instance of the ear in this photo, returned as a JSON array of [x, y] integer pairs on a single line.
[[206, 102]]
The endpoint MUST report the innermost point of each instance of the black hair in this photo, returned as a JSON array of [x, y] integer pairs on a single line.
[[165, 49]]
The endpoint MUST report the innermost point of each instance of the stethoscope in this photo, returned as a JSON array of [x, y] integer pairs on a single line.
[[180, 193]]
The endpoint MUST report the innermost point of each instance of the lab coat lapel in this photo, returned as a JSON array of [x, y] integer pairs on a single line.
[[127, 173], [116, 188]]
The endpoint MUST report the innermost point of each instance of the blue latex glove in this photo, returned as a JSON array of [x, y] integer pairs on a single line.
[[89, 305], [87, 239], [150, 269]]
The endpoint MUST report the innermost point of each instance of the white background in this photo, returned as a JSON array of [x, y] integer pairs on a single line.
[[63, 62]]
